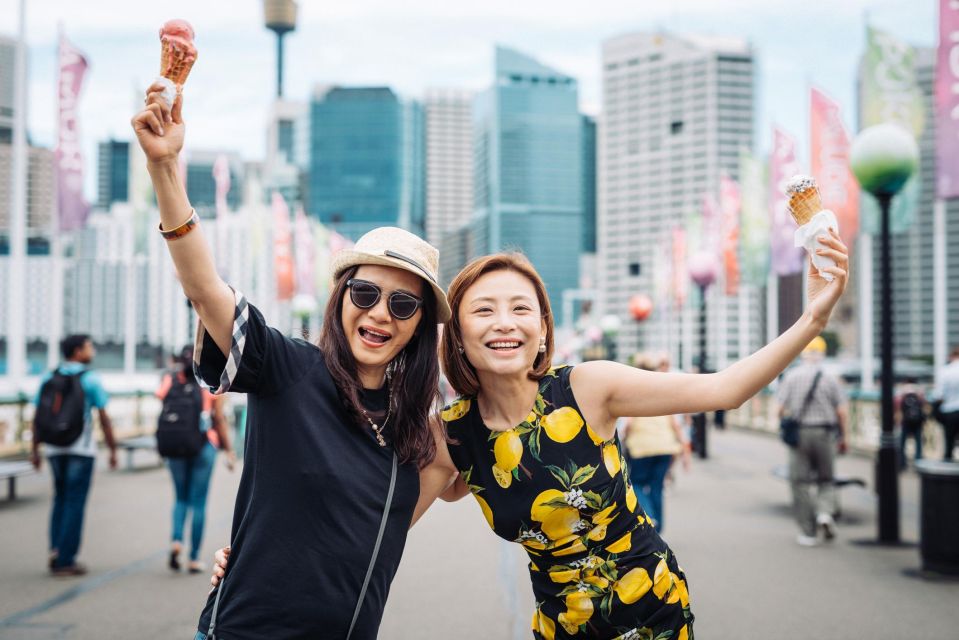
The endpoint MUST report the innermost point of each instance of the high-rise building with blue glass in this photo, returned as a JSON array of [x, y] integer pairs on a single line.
[[113, 169], [365, 160], [528, 174]]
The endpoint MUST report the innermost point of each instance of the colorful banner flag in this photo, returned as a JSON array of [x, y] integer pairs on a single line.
[[730, 201], [282, 248], [72, 209], [680, 270], [890, 93], [305, 253], [754, 220], [829, 155], [947, 101], [786, 258]]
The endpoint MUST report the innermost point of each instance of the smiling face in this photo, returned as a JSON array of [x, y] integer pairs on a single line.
[[501, 324], [375, 336]]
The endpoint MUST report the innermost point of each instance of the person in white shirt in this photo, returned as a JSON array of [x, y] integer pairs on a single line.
[[946, 396]]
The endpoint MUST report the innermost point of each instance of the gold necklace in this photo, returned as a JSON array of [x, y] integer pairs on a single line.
[[377, 429]]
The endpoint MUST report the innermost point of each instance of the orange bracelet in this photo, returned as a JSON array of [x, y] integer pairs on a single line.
[[183, 229]]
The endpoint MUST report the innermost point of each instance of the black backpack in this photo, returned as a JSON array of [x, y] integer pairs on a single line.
[[61, 411], [913, 412], [178, 428]]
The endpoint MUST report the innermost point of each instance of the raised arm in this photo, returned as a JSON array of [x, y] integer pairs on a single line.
[[160, 133], [608, 390]]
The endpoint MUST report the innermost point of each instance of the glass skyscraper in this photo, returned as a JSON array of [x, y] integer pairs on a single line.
[[113, 169], [365, 161], [528, 173]]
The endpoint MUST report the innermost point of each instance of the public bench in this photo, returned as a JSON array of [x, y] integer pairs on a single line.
[[839, 481], [139, 443], [13, 470]]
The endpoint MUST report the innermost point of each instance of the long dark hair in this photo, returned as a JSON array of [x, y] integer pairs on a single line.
[[414, 379]]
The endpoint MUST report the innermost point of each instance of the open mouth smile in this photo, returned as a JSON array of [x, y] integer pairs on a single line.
[[374, 337]]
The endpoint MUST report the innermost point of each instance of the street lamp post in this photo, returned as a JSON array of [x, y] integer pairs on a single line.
[[882, 158], [703, 270], [303, 306], [610, 325]]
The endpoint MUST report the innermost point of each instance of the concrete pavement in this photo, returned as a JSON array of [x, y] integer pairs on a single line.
[[727, 519]]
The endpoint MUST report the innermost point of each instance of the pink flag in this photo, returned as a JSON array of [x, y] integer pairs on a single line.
[[680, 272], [71, 206], [947, 101], [282, 249], [830, 164], [786, 258], [221, 178], [730, 202], [305, 253]]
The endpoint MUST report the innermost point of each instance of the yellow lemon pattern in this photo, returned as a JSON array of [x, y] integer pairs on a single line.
[[554, 486]]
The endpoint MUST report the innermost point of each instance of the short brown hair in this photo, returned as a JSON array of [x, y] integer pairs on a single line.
[[460, 373]]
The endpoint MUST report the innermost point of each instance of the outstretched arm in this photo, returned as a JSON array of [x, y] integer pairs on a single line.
[[607, 390], [160, 131]]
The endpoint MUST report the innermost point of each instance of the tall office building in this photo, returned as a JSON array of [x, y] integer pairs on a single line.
[[528, 176], [676, 112], [449, 161], [41, 193], [589, 184], [287, 142], [113, 172], [8, 52], [912, 249], [365, 160], [201, 184]]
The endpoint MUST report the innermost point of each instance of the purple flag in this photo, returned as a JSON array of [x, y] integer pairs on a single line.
[[786, 258], [72, 208], [947, 101]]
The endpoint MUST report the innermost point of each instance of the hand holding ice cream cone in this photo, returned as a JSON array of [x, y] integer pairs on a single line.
[[805, 206]]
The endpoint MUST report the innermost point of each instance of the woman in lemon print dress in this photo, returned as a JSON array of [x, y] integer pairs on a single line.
[[536, 446]]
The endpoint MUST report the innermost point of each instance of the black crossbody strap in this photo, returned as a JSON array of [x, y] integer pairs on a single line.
[[376, 549], [216, 605], [805, 403]]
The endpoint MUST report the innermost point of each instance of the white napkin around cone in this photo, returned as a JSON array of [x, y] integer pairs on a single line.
[[806, 235]]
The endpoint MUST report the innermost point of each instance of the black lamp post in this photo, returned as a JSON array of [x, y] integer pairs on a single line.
[[703, 269], [883, 157]]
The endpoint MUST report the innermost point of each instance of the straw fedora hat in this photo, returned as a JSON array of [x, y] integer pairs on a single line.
[[394, 247]]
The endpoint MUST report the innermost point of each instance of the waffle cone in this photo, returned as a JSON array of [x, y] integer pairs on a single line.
[[804, 205], [175, 63]]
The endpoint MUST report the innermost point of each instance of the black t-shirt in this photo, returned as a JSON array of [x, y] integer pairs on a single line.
[[311, 494]]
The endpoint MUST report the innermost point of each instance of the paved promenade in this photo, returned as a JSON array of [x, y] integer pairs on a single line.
[[727, 520]]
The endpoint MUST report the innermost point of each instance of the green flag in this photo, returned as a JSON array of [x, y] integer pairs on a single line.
[[754, 220], [890, 93]]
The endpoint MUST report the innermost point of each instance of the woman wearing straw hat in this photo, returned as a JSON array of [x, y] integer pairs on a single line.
[[340, 452], [536, 445]]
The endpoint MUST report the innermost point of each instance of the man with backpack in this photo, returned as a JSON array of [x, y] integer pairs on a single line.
[[910, 404], [63, 422]]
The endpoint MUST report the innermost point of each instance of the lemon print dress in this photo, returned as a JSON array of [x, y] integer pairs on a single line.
[[599, 569]]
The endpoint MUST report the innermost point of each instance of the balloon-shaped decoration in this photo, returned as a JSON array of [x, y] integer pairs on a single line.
[[640, 306], [703, 268]]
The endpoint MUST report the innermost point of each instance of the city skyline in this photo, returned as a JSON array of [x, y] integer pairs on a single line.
[[419, 47]]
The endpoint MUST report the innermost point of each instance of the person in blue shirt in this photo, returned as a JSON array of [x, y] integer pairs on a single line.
[[72, 465]]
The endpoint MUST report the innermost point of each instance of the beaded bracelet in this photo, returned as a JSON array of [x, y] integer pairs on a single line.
[[183, 229]]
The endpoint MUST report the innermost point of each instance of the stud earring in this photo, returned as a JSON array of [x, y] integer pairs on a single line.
[[461, 349]]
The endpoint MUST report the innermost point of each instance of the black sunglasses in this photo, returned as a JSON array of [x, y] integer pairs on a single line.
[[365, 295]]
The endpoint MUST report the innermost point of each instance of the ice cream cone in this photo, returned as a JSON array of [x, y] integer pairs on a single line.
[[176, 62], [804, 199]]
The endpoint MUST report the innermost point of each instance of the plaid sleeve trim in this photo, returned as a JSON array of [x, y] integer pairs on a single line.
[[241, 316]]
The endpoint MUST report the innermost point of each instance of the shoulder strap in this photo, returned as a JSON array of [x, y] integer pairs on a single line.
[[812, 390], [376, 548]]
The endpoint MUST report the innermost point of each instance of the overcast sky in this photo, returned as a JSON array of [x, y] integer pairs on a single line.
[[415, 44]]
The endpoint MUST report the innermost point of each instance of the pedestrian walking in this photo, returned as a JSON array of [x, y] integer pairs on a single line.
[[191, 428], [946, 402], [536, 445], [339, 446], [64, 424], [652, 444], [815, 400], [910, 409]]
